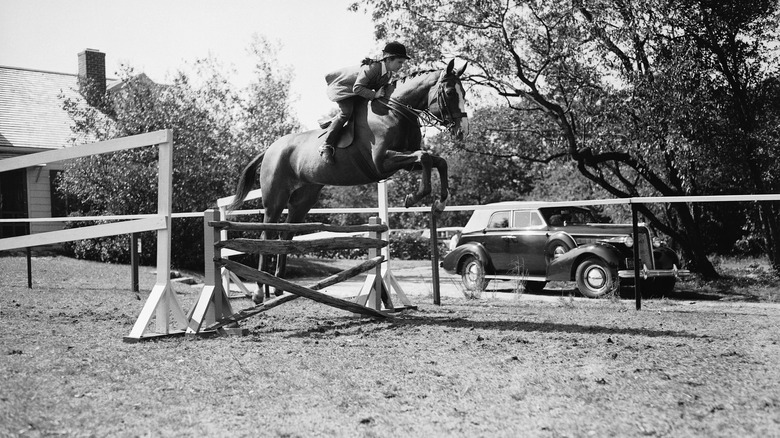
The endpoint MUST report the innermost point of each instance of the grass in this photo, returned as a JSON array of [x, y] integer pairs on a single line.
[[550, 368]]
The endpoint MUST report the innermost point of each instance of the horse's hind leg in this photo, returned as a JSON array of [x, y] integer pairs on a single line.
[[301, 201], [272, 214]]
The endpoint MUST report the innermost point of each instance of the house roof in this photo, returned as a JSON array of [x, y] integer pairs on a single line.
[[31, 114]]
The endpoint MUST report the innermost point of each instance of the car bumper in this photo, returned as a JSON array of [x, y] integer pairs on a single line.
[[645, 273]]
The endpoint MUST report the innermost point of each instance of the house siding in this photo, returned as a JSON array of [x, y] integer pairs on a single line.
[[32, 118], [39, 199]]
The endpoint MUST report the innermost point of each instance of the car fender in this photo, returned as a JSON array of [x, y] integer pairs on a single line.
[[563, 267], [554, 240], [665, 258], [452, 260]]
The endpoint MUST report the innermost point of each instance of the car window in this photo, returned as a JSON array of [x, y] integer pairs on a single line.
[[522, 219], [558, 216], [536, 219], [499, 219], [527, 219]]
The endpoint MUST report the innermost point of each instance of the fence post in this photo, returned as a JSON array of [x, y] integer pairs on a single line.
[[378, 280], [637, 282], [29, 267], [134, 260], [435, 257]]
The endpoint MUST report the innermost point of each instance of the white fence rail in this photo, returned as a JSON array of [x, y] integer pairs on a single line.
[[162, 302]]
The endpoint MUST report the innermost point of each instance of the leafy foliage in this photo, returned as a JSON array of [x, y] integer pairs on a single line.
[[646, 97], [216, 131]]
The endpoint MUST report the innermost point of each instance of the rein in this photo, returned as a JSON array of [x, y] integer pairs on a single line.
[[428, 118]]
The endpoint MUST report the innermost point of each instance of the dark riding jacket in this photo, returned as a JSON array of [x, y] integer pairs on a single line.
[[360, 80]]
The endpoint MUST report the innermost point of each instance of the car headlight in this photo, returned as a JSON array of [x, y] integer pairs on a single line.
[[454, 242], [628, 241]]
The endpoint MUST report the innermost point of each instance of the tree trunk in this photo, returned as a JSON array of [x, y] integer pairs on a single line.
[[693, 247]]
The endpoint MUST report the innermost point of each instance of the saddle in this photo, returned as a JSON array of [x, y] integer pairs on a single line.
[[345, 135]]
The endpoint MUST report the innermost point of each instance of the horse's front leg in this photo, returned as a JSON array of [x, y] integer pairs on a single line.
[[424, 189], [441, 166], [391, 161]]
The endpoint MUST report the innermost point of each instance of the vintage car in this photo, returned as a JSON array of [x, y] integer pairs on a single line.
[[538, 245]]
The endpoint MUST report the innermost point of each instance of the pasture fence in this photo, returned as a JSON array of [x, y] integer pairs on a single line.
[[213, 312], [162, 302]]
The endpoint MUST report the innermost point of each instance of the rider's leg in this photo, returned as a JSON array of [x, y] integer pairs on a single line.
[[345, 112]]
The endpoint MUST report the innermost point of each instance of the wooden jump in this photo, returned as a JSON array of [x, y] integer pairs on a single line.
[[262, 246], [310, 227], [329, 281], [213, 312]]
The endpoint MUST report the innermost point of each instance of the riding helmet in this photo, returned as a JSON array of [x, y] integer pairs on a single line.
[[394, 48]]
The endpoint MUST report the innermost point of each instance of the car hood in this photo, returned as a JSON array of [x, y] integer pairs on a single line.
[[601, 229]]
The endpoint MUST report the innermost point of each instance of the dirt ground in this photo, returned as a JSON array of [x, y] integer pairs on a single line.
[[559, 367]]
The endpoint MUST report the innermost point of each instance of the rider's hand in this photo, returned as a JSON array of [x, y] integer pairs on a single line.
[[379, 93]]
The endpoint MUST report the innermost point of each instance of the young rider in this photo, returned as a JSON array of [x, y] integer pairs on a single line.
[[366, 81]]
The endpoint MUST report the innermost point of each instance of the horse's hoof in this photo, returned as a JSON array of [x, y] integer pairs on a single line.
[[409, 201], [257, 297]]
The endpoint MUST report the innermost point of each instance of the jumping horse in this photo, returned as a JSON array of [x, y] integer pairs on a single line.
[[386, 138]]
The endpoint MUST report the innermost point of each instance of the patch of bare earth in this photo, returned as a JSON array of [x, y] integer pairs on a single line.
[[554, 368]]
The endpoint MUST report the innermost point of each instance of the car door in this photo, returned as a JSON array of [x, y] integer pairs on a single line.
[[524, 244], [498, 240]]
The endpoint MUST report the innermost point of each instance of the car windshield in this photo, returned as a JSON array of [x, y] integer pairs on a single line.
[[558, 216]]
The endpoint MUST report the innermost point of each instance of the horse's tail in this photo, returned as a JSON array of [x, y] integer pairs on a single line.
[[246, 181]]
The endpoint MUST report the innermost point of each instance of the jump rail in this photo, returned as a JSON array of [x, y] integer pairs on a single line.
[[162, 302]]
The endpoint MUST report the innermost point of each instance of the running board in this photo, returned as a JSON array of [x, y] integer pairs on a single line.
[[515, 277]]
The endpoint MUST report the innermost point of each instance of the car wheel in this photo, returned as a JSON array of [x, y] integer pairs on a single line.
[[595, 278], [473, 274]]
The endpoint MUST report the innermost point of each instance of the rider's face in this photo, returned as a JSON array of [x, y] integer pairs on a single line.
[[394, 64]]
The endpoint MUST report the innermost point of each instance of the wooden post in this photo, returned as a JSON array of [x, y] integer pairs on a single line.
[[213, 303], [384, 218], [162, 302], [435, 257], [637, 282], [29, 267], [378, 283], [134, 260]]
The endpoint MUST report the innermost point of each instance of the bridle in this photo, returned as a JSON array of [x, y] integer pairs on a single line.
[[426, 117]]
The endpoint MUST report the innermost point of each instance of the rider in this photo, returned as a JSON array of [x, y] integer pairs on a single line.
[[365, 80]]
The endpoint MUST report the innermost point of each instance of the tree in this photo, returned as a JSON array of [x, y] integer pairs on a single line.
[[625, 89], [216, 132]]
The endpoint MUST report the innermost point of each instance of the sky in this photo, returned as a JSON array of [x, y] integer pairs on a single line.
[[159, 37]]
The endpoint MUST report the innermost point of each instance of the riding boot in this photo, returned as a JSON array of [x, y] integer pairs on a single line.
[[327, 150]]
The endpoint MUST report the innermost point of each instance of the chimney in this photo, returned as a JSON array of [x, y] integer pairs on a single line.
[[92, 75]]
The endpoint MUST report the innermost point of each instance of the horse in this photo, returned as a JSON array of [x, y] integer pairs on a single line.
[[386, 139]]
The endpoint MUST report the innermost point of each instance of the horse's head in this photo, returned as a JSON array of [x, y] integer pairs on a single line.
[[447, 100]]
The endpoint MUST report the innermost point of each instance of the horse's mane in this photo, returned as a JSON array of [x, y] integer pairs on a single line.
[[415, 74]]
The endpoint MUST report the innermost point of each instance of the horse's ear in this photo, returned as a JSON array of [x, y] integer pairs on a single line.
[[462, 69], [450, 66]]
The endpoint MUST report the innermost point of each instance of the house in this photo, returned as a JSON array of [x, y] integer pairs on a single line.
[[32, 120]]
